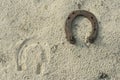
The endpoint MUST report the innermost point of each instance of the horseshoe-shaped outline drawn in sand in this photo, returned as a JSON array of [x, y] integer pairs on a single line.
[[32, 42], [89, 16]]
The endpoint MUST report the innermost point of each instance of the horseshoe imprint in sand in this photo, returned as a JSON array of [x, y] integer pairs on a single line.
[[40, 55], [89, 16]]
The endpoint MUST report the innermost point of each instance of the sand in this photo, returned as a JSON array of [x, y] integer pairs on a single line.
[[33, 43]]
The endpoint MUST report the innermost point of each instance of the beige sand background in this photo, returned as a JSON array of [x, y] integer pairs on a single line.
[[33, 44]]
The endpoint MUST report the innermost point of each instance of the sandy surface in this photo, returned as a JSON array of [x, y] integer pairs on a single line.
[[33, 44]]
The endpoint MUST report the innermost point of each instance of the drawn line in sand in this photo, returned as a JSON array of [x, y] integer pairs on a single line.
[[40, 50], [19, 53]]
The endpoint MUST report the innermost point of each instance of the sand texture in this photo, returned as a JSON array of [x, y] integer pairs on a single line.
[[33, 43]]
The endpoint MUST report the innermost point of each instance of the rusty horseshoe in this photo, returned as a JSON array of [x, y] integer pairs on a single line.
[[89, 16]]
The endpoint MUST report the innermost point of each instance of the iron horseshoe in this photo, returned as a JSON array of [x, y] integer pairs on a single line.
[[89, 16]]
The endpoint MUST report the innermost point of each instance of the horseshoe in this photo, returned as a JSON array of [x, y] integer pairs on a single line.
[[89, 16]]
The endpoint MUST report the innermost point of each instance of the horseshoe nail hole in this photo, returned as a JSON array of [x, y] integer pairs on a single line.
[[68, 17], [73, 13], [91, 17]]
